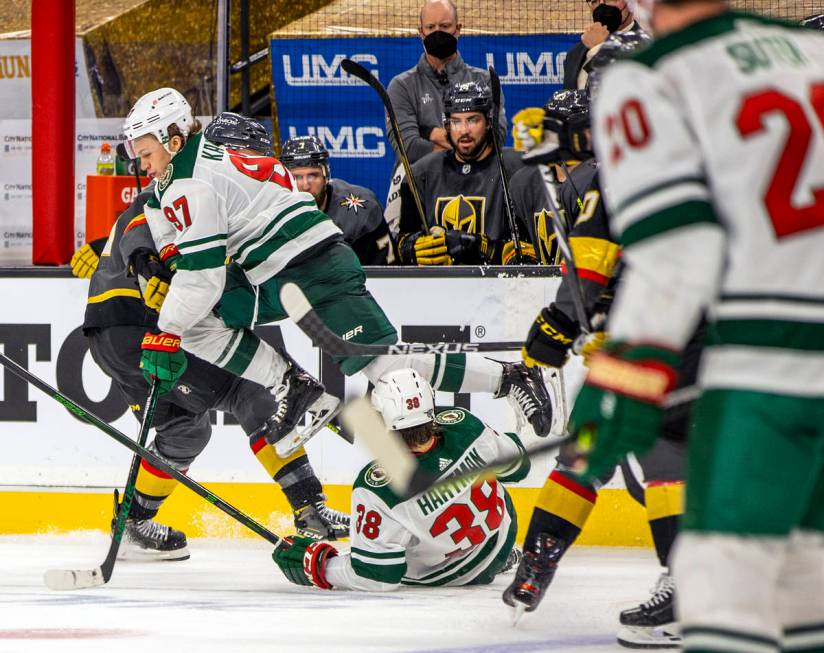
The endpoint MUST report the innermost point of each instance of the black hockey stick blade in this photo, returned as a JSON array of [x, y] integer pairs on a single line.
[[405, 477], [509, 207], [300, 310], [356, 70], [75, 579], [157, 461]]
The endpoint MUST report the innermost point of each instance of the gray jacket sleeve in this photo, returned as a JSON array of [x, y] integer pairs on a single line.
[[401, 93]]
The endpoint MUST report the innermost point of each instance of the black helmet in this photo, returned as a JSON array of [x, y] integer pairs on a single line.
[[816, 22], [566, 119], [305, 151], [466, 97], [617, 46], [233, 129]]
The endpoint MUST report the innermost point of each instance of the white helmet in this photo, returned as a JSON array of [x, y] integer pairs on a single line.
[[154, 113], [404, 399]]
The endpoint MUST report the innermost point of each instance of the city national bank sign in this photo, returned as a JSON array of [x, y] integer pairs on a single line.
[[314, 95]]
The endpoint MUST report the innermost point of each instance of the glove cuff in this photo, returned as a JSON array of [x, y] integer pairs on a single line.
[[162, 341], [314, 563], [644, 373]]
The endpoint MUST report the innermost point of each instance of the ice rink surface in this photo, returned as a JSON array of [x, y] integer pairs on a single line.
[[230, 597]]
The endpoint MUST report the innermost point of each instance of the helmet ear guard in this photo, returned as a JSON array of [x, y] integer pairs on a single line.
[[566, 130], [154, 113]]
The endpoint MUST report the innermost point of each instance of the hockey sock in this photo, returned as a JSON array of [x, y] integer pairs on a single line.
[[152, 488], [665, 504], [445, 372], [294, 474], [563, 507]]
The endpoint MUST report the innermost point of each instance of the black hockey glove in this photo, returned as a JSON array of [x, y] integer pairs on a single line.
[[152, 276], [549, 339], [467, 248]]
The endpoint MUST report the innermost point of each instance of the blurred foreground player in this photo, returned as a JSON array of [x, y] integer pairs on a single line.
[[712, 147], [462, 535]]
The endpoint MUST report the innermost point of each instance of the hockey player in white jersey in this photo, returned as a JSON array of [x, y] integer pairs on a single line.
[[212, 204], [459, 535], [712, 145]]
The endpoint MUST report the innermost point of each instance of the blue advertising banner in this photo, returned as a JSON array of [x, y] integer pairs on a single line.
[[315, 96]]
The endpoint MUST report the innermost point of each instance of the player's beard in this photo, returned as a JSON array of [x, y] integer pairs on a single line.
[[475, 151]]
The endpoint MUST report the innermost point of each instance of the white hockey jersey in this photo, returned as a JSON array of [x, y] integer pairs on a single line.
[[712, 150], [214, 203], [456, 536]]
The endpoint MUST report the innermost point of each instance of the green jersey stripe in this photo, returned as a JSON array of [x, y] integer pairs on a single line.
[[382, 573], [453, 374], [206, 259], [655, 190], [461, 567], [253, 242], [243, 355], [290, 231], [375, 554], [669, 219], [201, 241], [759, 297], [780, 334]]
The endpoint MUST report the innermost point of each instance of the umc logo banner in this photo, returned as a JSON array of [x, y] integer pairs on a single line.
[[314, 96]]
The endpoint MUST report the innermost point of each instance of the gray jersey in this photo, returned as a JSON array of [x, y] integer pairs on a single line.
[[417, 96], [359, 215]]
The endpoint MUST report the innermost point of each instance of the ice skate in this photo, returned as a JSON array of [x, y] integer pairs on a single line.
[[146, 539], [535, 573], [321, 522], [652, 624], [526, 391]]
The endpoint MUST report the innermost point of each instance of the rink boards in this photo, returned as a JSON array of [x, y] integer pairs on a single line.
[[56, 473]]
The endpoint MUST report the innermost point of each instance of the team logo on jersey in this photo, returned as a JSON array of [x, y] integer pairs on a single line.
[[184, 389], [166, 179], [426, 99], [467, 168], [461, 213], [376, 476], [452, 416], [352, 202], [547, 249]]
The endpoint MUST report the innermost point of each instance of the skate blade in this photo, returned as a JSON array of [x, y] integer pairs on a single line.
[[321, 411], [517, 613], [136, 554], [657, 637], [554, 382]]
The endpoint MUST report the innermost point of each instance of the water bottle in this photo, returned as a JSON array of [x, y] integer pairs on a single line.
[[105, 162]]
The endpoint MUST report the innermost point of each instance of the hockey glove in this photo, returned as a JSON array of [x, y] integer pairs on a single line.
[[84, 261], [419, 249], [549, 339], [467, 248], [620, 407], [162, 359], [152, 276], [304, 561], [509, 255]]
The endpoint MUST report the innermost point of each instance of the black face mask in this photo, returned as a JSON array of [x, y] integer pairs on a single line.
[[440, 45], [608, 16]]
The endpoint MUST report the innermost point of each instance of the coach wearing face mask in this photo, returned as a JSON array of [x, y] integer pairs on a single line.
[[417, 94], [608, 16]]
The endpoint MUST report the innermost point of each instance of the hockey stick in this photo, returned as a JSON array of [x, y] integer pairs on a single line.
[[75, 579], [300, 310], [405, 477], [123, 155], [364, 75], [509, 207], [157, 461]]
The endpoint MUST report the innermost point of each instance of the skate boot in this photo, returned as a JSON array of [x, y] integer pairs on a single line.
[[146, 539], [319, 521], [652, 624], [534, 574], [526, 391], [298, 394]]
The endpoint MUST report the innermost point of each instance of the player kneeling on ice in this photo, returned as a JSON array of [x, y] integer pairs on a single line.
[[460, 533]]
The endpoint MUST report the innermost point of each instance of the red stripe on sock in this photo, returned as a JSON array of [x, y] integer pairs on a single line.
[[258, 444], [154, 471], [572, 486]]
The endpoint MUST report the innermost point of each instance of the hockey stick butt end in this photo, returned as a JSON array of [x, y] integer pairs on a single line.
[[294, 301]]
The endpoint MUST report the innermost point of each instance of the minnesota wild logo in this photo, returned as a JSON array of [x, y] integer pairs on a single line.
[[166, 179], [376, 476], [452, 416]]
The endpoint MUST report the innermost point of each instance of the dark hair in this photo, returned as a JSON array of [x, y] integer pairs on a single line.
[[415, 436], [174, 130]]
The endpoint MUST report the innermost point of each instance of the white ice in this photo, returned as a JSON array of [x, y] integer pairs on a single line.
[[231, 597]]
